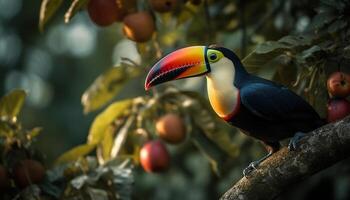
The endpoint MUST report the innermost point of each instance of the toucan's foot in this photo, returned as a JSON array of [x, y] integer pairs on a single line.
[[293, 143], [251, 167]]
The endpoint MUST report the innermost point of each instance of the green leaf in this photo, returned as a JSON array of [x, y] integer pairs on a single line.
[[337, 25], [47, 10], [97, 194], [74, 8], [339, 5], [264, 53], [75, 153], [322, 19], [270, 50], [295, 41], [51, 189], [271, 46], [269, 71], [119, 174], [346, 52], [311, 54], [254, 62], [11, 104], [103, 120], [107, 86]]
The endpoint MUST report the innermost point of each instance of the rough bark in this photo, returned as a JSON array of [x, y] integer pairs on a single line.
[[318, 150]]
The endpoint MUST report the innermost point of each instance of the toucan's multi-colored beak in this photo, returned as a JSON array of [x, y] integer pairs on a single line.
[[183, 63]]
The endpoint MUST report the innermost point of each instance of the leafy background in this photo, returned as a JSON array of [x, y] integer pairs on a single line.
[[297, 43]]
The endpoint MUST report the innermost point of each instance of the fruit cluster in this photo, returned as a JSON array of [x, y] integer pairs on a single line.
[[138, 26], [338, 86], [23, 173], [154, 156]]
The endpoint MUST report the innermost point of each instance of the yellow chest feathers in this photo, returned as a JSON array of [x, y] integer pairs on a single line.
[[221, 91]]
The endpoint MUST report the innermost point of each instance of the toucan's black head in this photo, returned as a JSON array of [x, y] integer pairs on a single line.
[[193, 61], [240, 70]]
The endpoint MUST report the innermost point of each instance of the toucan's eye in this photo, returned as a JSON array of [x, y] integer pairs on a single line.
[[213, 56]]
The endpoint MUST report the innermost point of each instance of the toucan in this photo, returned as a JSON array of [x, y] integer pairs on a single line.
[[260, 108]]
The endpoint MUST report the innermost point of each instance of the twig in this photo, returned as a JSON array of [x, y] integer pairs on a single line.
[[133, 63], [121, 137], [156, 45], [296, 83], [312, 79]]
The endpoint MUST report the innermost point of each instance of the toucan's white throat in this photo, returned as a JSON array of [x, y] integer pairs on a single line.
[[223, 95]]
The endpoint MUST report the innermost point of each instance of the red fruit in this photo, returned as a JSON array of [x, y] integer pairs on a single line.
[[28, 172], [104, 12], [154, 157], [338, 84], [139, 27], [4, 178], [163, 5], [171, 128], [337, 109]]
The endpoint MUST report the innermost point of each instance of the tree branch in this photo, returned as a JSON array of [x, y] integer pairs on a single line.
[[320, 149]]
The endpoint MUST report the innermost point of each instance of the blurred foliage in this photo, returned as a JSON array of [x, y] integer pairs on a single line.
[[81, 178], [47, 10], [76, 6], [107, 86], [12, 132], [11, 104], [296, 43]]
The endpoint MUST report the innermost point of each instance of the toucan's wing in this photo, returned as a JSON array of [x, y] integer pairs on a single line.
[[274, 102]]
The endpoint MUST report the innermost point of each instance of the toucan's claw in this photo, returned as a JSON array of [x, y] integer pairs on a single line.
[[251, 167], [293, 143], [254, 165]]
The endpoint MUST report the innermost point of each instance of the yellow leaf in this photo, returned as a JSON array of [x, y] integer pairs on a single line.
[[103, 120], [107, 86], [34, 132], [11, 104], [47, 10], [107, 142], [75, 153], [73, 9], [5, 130]]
